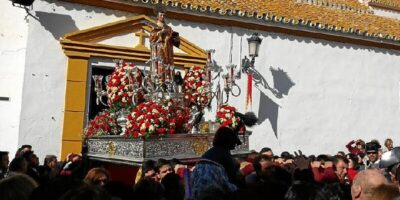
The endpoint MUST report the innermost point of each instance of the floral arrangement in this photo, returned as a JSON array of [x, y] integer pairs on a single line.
[[226, 117], [148, 119], [196, 86], [103, 124], [179, 115], [120, 87]]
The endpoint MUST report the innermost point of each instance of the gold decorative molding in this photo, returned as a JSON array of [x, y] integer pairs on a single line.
[[111, 148], [82, 43], [200, 146]]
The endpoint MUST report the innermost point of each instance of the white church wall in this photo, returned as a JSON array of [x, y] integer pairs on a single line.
[[13, 38], [341, 92], [45, 75], [386, 13]]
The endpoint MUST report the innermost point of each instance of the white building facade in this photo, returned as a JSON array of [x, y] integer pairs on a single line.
[[328, 92]]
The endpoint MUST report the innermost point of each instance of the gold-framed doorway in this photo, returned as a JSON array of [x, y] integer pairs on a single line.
[[80, 46]]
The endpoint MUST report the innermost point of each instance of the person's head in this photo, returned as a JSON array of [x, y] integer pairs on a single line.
[[366, 182], [175, 161], [262, 165], [286, 156], [302, 190], [74, 158], [97, 176], [50, 161], [18, 186], [226, 138], [18, 165], [340, 164], [173, 187], [360, 144], [164, 168], [353, 161], [4, 160], [150, 170], [372, 149], [251, 156], [389, 144], [341, 153], [267, 151], [31, 158], [26, 148], [148, 188], [323, 158], [386, 192]]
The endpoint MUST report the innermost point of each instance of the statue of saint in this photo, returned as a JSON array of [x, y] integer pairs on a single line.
[[163, 38]]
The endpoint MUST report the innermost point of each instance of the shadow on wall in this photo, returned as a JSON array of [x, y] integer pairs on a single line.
[[58, 25], [270, 109]]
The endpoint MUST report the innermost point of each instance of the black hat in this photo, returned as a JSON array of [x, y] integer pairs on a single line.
[[372, 147]]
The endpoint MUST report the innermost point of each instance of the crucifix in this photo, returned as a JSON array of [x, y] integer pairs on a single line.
[[142, 38]]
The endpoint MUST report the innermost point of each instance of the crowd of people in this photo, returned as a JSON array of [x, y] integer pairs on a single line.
[[367, 172]]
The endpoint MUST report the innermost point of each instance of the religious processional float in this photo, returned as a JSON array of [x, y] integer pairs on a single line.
[[155, 113]]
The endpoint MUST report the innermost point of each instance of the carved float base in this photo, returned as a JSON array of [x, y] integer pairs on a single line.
[[134, 151]]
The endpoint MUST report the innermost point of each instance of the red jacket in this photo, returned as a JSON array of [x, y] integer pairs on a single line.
[[351, 173], [324, 174], [353, 150]]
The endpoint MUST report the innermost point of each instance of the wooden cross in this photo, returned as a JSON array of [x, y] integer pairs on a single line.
[[142, 38]]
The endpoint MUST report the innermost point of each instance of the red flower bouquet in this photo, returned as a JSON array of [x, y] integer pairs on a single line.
[[121, 86], [148, 119], [179, 115], [103, 124], [226, 117], [196, 86]]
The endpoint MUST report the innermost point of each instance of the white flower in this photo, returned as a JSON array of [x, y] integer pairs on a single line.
[[143, 127], [227, 115], [154, 110], [114, 89], [113, 80], [151, 128]]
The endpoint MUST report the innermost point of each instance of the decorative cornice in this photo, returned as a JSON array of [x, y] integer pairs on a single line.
[[344, 5], [285, 16], [386, 4]]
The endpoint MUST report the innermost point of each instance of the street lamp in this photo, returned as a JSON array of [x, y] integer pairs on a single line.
[[254, 46]]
